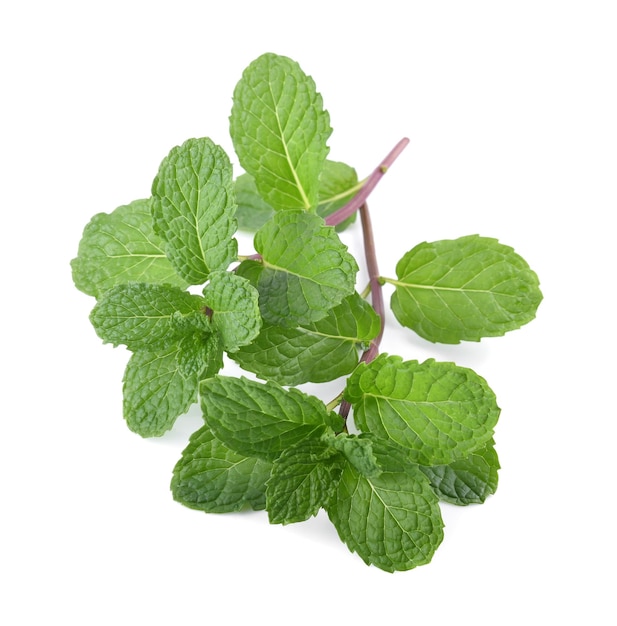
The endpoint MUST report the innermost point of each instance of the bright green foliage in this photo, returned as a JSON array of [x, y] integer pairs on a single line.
[[316, 352], [121, 247], [303, 480], [171, 287], [210, 477], [307, 270], [156, 392], [139, 315], [193, 208], [338, 183], [391, 520], [439, 412], [279, 129], [464, 289], [234, 303]]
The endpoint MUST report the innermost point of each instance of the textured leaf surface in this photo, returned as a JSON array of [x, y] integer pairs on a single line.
[[122, 247], [262, 420], [438, 411], [391, 520], [200, 354], [193, 208], [316, 352], [307, 270], [358, 450], [464, 289], [303, 480], [212, 478], [279, 130], [139, 315], [338, 183], [155, 392], [467, 481], [235, 309]]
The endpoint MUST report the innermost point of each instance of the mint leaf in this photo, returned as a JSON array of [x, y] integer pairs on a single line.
[[212, 478], [234, 303], [193, 208], [316, 352], [338, 183], [307, 270], [470, 480], [303, 480], [200, 354], [262, 420], [391, 520], [438, 411], [464, 289], [155, 393], [121, 247], [279, 129], [139, 315], [358, 450], [252, 211]]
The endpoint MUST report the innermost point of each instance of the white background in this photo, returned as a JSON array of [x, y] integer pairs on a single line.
[[511, 109]]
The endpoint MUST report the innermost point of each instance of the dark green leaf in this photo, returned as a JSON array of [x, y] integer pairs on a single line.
[[212, 478]]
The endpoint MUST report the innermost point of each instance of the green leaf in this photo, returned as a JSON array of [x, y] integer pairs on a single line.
[[193, 208], [122, 247], [262, 420], [200, 354], [253, 211], [156, 392], [358, 450], [279, 129], [467, 481], [212, 478], [337, 185], [139, 315], [316, 352], [438, 411], [303, 480], [391, 520], [235, 309], [464, 289], [307, 270]]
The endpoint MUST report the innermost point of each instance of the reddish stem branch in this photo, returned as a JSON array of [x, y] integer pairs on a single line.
[[376, 295], [371, 182]]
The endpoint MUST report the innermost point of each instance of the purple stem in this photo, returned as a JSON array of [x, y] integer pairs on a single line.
[[376, 295], [360, 198]]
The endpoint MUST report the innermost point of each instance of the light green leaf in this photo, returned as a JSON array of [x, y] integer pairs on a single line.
[[303, 479], [139, 315], [307, 270], [316, 352], [468, 481], [262, 420], [439, 412], [464, 289], [212, 478], [155, 392], [122, 247], [234, 303], [338, 183], [279, 129], [193, 208], [391, 520]]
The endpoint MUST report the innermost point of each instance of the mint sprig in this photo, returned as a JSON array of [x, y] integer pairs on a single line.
[[400, 435]]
